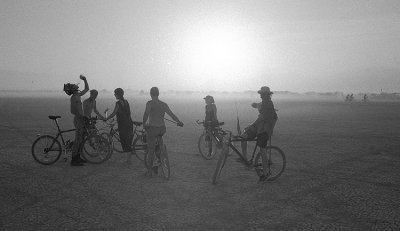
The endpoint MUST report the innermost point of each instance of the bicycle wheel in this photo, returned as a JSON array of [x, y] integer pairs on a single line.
[[207, 146], [116, 140], [164, 162], [276, 163], [221, 162], [96, 149], [139, 148], [46, 149]]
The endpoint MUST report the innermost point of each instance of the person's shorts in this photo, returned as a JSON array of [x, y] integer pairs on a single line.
[[262, 139]]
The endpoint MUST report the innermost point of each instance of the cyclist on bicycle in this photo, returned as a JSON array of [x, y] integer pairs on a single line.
[[211, 119], [263, 127], [154, 112], [89, 105], [79, 118]]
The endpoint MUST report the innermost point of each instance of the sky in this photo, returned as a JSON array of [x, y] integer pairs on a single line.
[[227, 45]]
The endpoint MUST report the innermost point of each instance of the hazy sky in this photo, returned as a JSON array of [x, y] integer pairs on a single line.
[[295, 45]]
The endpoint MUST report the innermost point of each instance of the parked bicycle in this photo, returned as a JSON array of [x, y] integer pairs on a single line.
[[210, 140], [47, 149], [276, 158]]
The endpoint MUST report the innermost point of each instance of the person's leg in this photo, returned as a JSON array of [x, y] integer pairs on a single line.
[[262, 141], [151, 142], [78, 123]]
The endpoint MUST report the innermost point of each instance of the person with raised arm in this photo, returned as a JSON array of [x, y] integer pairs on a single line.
[[154, 113], [79, 118]]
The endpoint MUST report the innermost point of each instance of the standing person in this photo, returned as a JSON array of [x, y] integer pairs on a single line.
[[263, 127], [79, 122], [211, 112], [155, 112], [124, 120], [89, 105]]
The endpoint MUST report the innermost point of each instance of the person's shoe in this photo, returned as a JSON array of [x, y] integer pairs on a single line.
[[76, 163]]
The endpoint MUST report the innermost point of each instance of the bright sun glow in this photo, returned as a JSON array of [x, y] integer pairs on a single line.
[[218, 53]]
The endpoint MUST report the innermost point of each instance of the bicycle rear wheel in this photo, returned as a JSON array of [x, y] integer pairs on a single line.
[[46, 150], [96, 149], [221, 162], [275, 165], [165, 162], [139, 148], [207, 146]]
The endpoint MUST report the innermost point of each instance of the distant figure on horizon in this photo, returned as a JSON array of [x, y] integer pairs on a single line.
[[124, 120], [365, 98], [263, 127], [79, 118], [89, 105], [154, 113]]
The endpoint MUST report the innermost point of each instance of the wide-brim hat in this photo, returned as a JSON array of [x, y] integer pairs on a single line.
[[209, 97], [265, 90]]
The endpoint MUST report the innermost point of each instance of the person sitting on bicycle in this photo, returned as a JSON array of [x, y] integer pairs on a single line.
[[79, 118], [263, 127], [89, 105], [155, 112], [124, 120]]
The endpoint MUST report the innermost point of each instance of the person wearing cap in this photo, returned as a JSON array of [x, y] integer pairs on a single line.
[[211, 118], [154, 113], [263, 127], [89, 105], [79, 122], [125, 124]]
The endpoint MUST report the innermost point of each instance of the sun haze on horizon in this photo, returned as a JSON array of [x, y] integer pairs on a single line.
[[222, 45]]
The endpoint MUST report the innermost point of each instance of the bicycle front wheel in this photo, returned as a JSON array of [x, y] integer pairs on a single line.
[[165, 162], [276, 163], [96, 149], [207, 146], [46, 150], [139, 148], [221, 163]]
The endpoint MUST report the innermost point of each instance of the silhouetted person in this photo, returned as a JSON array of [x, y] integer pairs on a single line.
[[124, 120], [155, 112], [262, 128], [79, 118], [89, 105]]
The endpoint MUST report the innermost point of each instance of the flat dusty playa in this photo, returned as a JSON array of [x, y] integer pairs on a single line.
[[342, 173]]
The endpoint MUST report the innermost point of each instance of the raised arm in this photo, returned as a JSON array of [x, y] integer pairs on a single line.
[[86, 85]]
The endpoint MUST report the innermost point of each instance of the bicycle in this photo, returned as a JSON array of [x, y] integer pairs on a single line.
[[47, 150], [138, 146], [161, 155], [276, 160], [210, 140]]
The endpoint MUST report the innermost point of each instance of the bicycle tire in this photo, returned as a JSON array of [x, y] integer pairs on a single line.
[[221, 163], [117, 146], [41, 152], [164, 160], [276, 163], [207, 149], [139, 148], [97, 149]]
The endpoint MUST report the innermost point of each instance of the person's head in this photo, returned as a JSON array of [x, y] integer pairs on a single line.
[[154, 92], [265, 92], [93, 94], [119, 93], [70, 88], [209, 99]]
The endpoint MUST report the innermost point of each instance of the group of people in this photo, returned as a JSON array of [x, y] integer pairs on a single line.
[[153, 120]]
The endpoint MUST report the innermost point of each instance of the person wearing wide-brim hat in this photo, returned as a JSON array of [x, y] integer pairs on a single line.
[[263, 127], [210, 111]]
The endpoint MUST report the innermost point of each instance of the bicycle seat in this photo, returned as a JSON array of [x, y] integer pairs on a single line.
[[136, 123], [54, 117]]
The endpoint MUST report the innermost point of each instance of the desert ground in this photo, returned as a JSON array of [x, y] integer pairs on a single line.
[[342, 171]]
